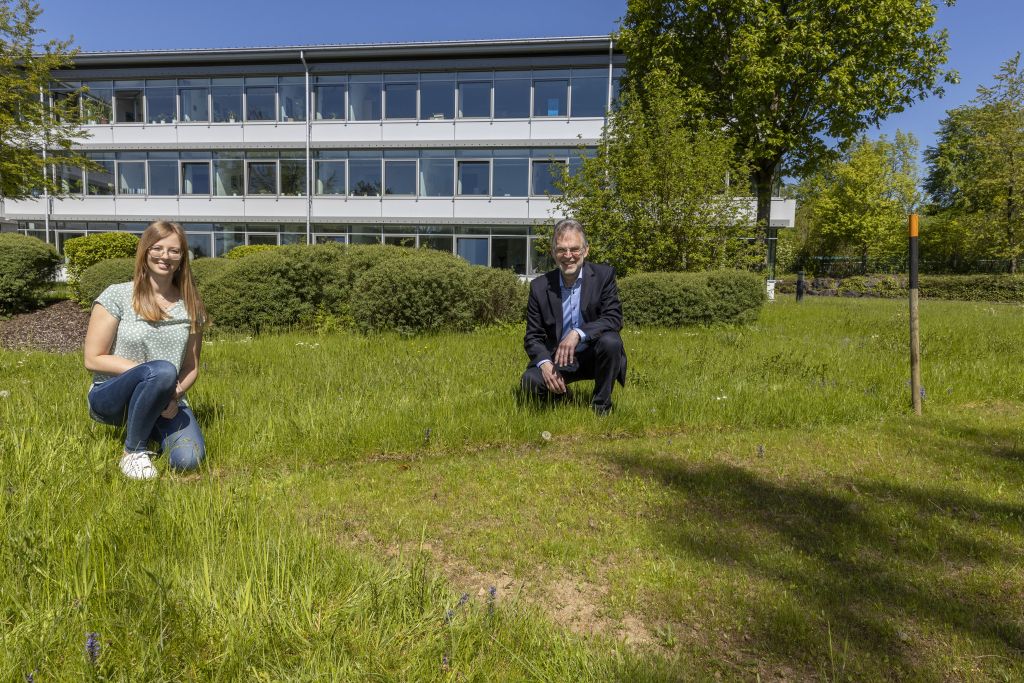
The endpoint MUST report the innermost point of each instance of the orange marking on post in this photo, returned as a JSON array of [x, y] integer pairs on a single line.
[[913, 225]]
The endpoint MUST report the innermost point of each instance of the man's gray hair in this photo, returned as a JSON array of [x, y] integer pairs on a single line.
[[567, 225]]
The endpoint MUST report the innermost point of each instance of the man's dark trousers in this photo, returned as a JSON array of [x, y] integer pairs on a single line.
[[600, 361]]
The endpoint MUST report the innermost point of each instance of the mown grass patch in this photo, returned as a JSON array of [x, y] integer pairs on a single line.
[[759, 504]]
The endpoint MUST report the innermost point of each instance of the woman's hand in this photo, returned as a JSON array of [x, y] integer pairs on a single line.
[[171, 410]]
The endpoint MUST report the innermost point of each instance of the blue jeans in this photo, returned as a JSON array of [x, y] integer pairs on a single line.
[[135, 400]]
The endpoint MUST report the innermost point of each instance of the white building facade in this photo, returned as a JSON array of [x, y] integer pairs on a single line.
[[453, 146]]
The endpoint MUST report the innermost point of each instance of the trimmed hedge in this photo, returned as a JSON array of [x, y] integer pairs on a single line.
[[996, 288], [675, 299], [26, 264], [99, 276], [415, 294], [82, 252], [500, 296], [248, 250], [205, 269]]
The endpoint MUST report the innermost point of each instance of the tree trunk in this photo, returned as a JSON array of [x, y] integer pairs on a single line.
[[764, 178]]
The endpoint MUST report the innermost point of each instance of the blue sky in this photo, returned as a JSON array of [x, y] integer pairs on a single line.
[[982, 33]]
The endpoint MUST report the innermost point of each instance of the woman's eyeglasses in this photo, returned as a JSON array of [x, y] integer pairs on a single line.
[[160, 252]]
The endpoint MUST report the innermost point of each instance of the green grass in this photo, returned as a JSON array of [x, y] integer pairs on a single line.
[[761, 504]]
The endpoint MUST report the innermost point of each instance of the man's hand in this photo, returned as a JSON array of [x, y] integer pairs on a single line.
[[552, 378], [171, 410], [565, 354]]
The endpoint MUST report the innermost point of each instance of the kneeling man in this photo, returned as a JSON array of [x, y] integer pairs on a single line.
[[572, 323]]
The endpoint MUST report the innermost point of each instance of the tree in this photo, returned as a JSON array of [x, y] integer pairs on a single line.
[[656, 195], [792, 81], [859, 205], [28, 122], [976, 169]]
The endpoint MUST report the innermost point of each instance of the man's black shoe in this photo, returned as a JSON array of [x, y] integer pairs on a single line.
[[601, 409]]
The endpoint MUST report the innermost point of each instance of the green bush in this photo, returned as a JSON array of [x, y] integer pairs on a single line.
[[501, 297], [99, 276], [277, 288], [882, 286], [205, 269], [418, 293], [248, 250], [999, 288], [26, 264], [675, 299], [82, 252]]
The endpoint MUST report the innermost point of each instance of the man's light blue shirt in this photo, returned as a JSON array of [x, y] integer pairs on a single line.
[[572, 309]]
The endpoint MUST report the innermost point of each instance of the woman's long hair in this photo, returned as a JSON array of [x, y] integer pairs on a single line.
[[144, 299]]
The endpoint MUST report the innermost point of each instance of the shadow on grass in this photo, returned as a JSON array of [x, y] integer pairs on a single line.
[[878, 568]]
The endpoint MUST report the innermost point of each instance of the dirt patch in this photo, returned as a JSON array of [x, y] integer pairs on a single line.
[[59, 328]]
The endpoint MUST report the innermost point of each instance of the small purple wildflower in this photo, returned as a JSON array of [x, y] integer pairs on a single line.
[[492, 593], [92, 647], [448, 616], [30, 677], [464, 599], [922, 391], [444, 663]]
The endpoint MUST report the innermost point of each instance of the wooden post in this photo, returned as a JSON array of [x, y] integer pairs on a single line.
[[915, 330]]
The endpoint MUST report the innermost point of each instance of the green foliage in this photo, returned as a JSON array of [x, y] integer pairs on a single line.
[[1002, 288], [99, 276], [244, 250], [674, 299], [82, 252], [415, 294], [975, 175], [206, 269], [276, 288], [859, 205], [26, 264], [656, 196], [25, 121], [788, 81], [501, 296]]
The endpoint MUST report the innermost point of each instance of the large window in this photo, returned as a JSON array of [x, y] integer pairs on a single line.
[[512, 95], [437, 96], [195, 177], [399, 177], [195, 104], [512, 177], [131, 177], [292, 99], [399, 99], [329, 97], [551, 97], [259, 99], [364, 176], [293, 176], [100, 181], [475, 99], [97, 102], [228, 177], [510, 253], [163, 176], [330, 176], [161, 101], [545, 175], [437, 177], [364, 97], [128, 101], [589, 92], [473, 249], [227, 100], [474, 177], [262, 177]]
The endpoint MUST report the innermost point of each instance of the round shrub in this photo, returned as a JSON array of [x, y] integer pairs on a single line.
[[99, 276], [501, 296], [205, 269], [82, 252], [26, 264], [675, 299], [419, 293], [277, 288], [248, 250]]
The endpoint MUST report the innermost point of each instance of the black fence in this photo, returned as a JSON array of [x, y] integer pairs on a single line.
[[846, 266]]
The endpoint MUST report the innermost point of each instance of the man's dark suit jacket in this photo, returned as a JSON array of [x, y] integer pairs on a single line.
[[599, 304]]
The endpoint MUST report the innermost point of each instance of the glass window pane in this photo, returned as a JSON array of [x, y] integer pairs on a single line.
[[511, 177], [194, 104], [259, 103], [401, 240], [262, 177], [101, 181], [358, 238], [131, 177], [161, 106], [128, 106], [69, 178], [227, 240], [550, 98], [330, 102], [589, 96], [330, 177], [227, 177], [364, 101], [436, 177], [293, 102], [540, 259], [474, 177], [437, 100], [512, 99], [293, 177], [473, 249], [545, 175], [439, 242], [265, 238], [510, 253], [400, 100], [364, 177], [97, 104], [400, 177], [163, 177], [475, 99], [195, 178], [227, 103]]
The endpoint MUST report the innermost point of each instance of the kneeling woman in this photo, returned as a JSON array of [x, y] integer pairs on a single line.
[[143, 347]]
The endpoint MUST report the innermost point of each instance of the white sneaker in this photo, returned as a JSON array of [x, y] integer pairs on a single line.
[[138, 465]]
